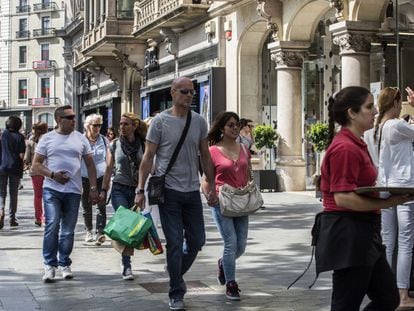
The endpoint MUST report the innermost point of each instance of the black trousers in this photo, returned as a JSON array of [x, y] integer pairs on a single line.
[[378, 282]]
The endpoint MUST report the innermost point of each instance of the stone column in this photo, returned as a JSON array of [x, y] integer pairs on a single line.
[[291, 166], [354, 40]]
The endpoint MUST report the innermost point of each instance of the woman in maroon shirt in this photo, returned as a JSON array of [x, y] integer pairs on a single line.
[[348, 239]]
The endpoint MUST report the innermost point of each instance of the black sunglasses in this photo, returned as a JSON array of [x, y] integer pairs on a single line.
[[96, 125], [71, 117], [186, 91]]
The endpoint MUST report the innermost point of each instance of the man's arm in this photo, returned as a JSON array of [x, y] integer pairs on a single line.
[[209, 187], [90, 166], [38, 168], [143, 172]]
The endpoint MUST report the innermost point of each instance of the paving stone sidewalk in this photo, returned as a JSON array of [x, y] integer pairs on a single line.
[[277, 252]]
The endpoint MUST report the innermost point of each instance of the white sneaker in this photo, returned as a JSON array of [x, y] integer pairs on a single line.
[[66, 272], [89, 236], [49, 275], [127, 274]]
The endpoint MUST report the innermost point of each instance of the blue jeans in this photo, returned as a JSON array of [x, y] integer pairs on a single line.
[[123, 195], [398, 225], [181, 217], [61, 215], [14, 181], [234, 232]]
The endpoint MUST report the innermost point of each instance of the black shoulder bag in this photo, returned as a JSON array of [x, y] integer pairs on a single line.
[[156, 184]]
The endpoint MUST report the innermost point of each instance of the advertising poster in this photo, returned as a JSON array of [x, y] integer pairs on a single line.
[[205, 101], [145, 108]]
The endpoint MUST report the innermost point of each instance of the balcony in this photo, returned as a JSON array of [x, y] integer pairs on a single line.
[[23, 9], [152, 15], [44, 32], [47, 6], [22, 34], [43, 101], [102, 39], [44, 65]]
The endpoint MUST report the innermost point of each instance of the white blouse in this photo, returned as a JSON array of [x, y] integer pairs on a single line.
[[396, 158]]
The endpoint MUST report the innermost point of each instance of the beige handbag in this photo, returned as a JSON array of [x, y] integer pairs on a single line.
[[236, 202]]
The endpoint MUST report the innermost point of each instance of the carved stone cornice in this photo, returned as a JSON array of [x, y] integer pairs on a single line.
[[263, 12], [125, 62], [290, 59], [353, 42], [274, 30], [339, 7]]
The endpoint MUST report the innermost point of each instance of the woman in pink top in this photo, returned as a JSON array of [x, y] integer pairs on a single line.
[[231, 164]]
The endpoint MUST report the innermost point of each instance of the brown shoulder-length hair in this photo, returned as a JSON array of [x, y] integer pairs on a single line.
[[39, 128], [386, 101], [141, 126], [216, 130]]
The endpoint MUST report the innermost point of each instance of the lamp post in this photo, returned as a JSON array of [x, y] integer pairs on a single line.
[[397, 38]]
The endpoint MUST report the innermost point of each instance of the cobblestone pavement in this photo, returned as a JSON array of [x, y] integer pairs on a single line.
[[277, 252]]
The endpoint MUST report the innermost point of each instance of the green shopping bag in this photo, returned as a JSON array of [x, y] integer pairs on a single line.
[[128, 227]]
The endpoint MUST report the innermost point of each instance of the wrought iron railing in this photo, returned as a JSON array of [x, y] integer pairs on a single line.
[[45, 6], [22, 34], [44, 32], [43, 64], [44, 101], [22, 8], [148, 11]]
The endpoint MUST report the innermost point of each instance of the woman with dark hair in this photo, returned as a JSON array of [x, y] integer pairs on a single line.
[[231, 161], [110, 134], [39, 129], [13, 148], [390, 145], [124, 159], [348, 239]]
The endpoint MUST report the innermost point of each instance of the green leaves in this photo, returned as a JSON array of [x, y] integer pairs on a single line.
[[265, 136], [318, 135]]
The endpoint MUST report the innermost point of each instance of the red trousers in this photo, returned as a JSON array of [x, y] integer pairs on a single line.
[[37, 182]]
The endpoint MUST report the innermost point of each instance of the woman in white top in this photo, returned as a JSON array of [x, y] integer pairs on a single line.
[[390, 145], [100, 149]]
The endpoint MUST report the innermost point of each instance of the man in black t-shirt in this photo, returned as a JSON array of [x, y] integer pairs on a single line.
[[11, 168]]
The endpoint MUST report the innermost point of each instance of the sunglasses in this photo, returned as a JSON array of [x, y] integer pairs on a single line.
[[233, 125], [186, 91], [71, 117], [96, 125]]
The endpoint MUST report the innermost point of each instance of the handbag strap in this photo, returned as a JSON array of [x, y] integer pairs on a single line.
[[249, 164], [180, 142]]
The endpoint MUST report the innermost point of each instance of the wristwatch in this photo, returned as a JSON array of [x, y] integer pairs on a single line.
[[93, 188], [140, 191]]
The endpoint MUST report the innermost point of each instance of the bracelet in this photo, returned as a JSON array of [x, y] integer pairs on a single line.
[[52, 175], [140, 191]]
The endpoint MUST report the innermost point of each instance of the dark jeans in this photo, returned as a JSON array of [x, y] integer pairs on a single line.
[[181, 217], [13, 181], [87, 207], [377, 282], [125, 196]]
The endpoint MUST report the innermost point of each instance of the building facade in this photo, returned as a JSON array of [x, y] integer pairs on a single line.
[[275, 62], [35, 69]]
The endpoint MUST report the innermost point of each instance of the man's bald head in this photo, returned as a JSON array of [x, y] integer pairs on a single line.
[[180, 81]]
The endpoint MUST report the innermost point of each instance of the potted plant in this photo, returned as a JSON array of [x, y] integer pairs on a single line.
[[318, 135], [266, 137]]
